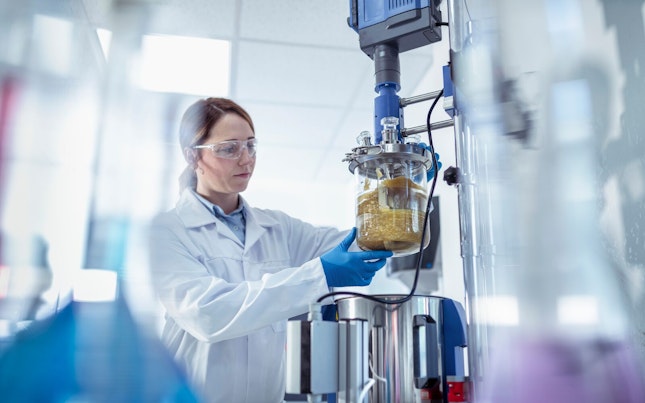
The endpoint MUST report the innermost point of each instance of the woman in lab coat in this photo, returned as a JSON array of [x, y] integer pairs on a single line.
[[230, 275]]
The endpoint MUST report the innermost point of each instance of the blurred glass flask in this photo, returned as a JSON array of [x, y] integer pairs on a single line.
[[574, 341], [91, 351]]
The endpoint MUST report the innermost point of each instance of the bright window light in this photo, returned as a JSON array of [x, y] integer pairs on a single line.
[[499, 310], [186, 65], [578, 310], [94, 285], [105, 38]]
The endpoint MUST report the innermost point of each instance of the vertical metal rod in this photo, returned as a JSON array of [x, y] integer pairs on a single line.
[[469, 218]]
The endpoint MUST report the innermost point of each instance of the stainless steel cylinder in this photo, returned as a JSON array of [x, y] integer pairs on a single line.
[[405, 346]]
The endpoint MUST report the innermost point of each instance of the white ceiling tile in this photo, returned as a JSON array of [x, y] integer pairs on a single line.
[[364, 95], [302, 163], [433, 75], [293, 125], [332, 168], [354, 122], [319, 23], [202, 18], [297, 74], [413, 69], [294, 163]]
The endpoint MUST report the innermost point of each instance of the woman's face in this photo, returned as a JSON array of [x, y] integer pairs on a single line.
[[223, 179]]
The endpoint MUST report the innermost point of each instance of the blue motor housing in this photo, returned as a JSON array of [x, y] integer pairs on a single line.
[[406, 24]]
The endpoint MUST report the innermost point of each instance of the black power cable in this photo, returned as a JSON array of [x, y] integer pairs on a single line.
[[423, 232]]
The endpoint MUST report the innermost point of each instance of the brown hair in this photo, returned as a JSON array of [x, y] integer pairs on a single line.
[[195, 126]]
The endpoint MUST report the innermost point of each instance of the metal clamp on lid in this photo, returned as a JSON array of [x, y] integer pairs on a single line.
[[388, 154]]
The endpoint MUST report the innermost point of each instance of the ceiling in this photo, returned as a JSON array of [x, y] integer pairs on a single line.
[[298, 69]]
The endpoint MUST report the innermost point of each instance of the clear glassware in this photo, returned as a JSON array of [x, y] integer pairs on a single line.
[[391, 201]]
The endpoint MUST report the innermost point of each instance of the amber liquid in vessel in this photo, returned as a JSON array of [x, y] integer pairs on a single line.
[[391, 216]]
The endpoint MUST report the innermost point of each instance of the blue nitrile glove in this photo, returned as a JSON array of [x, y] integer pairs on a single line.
[[431, 170], [345, 269]]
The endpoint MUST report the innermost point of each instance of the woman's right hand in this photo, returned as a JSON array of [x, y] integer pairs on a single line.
[[344, 269]]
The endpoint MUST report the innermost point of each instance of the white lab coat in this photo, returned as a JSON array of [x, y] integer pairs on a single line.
[[227, 304]]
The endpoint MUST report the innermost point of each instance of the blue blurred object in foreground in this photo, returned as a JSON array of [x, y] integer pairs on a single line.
[[90, 351]]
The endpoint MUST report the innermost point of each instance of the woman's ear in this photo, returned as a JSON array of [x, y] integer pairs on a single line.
[[191, 156]]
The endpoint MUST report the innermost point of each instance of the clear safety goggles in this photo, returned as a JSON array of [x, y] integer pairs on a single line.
[[231, 149]]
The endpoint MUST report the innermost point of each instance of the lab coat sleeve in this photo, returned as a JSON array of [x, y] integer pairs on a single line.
[[211, 308], [308, 242]]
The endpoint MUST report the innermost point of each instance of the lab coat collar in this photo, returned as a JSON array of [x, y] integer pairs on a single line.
[[257, 223], [257, 216], [194, 214], [192, 211]]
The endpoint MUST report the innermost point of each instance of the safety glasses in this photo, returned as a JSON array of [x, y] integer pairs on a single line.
[[231, 149]]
